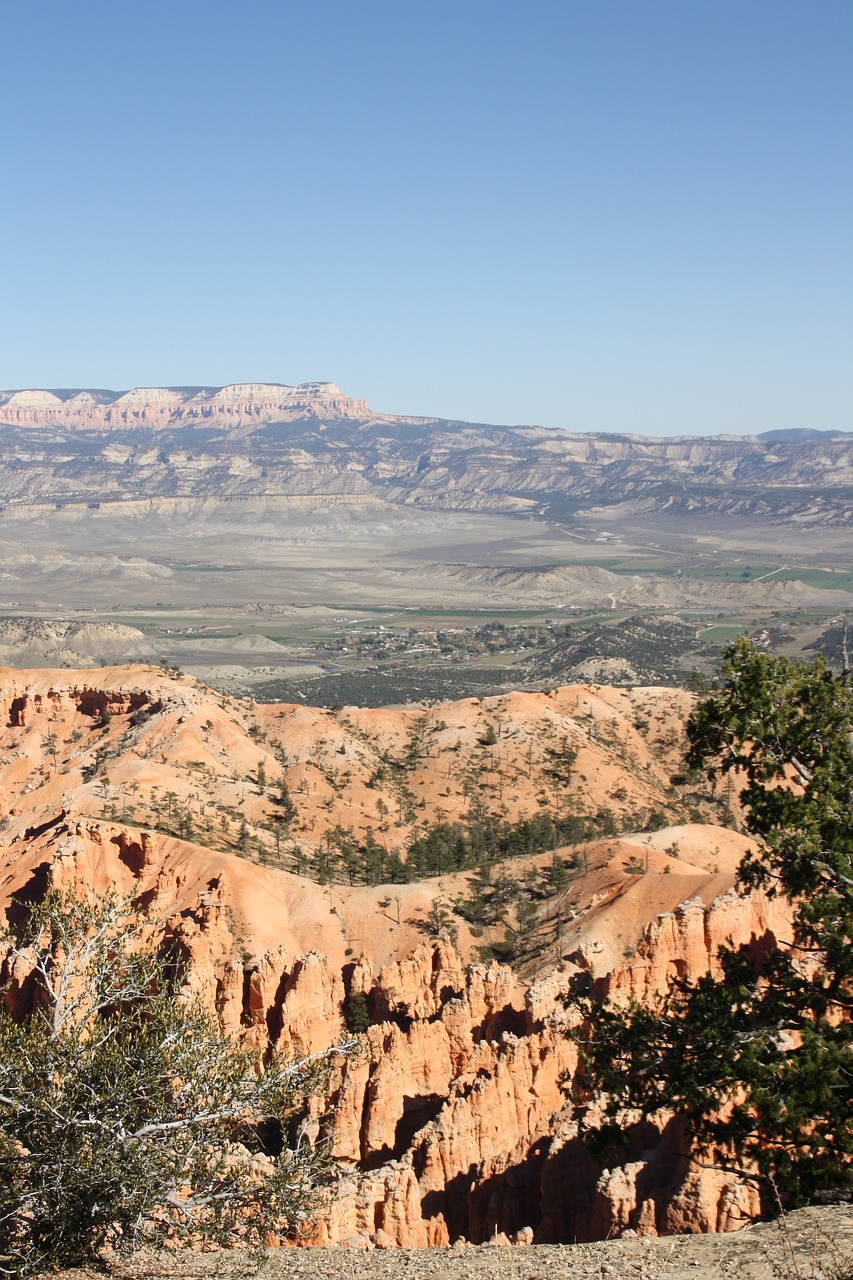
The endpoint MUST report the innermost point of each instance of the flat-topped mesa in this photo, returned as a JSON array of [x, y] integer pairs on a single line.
[[241, 403]]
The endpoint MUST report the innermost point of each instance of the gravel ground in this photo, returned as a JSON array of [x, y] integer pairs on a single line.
[[812, 1244]]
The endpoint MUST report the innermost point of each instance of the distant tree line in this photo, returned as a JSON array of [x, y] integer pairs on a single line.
[[444, 847]]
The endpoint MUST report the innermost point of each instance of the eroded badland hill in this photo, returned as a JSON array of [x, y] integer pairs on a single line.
[[311, 863]]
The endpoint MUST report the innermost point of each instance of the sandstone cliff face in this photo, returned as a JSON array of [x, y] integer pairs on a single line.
[[465, 1110], [685, 943], [452, 1122], [157, 407]]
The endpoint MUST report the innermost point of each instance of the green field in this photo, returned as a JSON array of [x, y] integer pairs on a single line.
[[722, 634], [831, 579], [743, 571], [738, 571], [636, 564], [614, 564], [735, 571], [207, 568]]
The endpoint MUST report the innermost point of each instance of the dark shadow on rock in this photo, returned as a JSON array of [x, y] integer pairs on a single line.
[[418, 1111], [32, 832], [35, 890]]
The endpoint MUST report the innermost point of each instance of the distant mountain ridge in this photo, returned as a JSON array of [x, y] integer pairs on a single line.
[[797, 435], [272, 441], [167, 406]]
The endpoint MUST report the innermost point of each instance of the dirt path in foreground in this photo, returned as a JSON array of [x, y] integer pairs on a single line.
[[812, 1244]]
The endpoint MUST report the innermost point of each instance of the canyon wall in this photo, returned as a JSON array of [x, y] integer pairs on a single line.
[[157, 407], [452, 1122]]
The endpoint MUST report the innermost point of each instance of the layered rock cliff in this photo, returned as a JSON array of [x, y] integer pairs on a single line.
[[156, 443], [453, 1122], [158, 407]]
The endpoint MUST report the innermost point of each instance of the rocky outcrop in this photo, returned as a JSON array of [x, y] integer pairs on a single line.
[[158, 407], [457, 1118], [655, 1191], [453, 1121], [684, 944], [495, 1149], [19, 709]]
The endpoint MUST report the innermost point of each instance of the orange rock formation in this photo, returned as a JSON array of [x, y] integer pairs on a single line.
[[453, 1122]]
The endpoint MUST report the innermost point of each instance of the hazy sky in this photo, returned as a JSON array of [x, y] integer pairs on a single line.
[[618, 215]]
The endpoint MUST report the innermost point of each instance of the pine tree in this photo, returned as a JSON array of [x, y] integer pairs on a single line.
[[759, 1063], [126, 1115]]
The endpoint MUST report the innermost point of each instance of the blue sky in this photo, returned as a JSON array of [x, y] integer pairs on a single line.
[[612, 215]]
